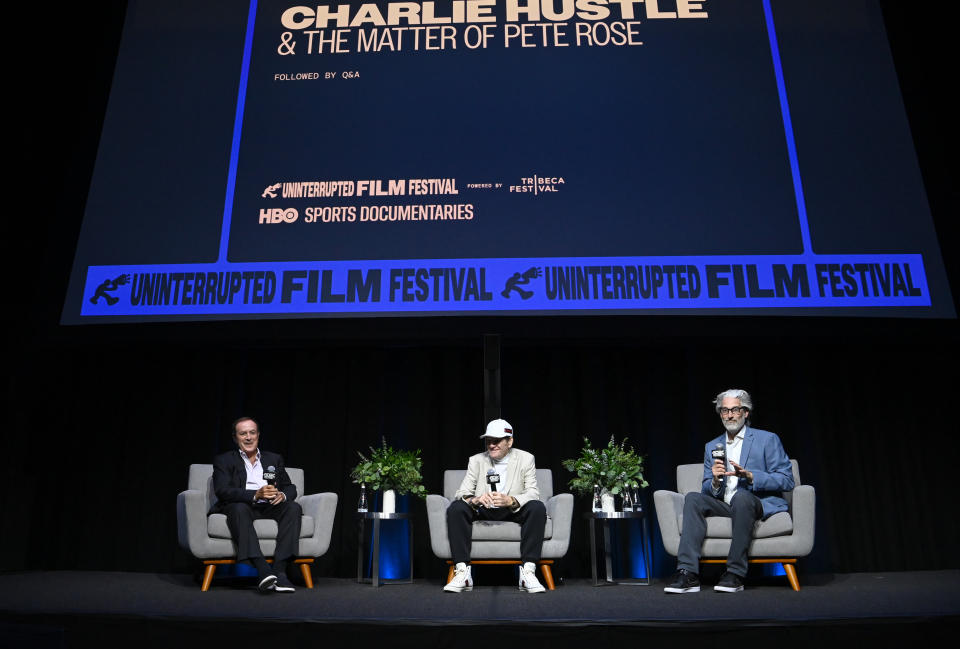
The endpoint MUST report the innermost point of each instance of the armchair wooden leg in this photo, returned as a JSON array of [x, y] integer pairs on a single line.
[[208, 571], [305, 571], [791, 570], [547, 575], [450, 573]]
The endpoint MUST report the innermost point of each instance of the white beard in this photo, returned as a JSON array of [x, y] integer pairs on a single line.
[[733, 427]]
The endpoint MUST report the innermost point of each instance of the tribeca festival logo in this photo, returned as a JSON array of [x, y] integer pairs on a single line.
[[537, 185], [107, 286], [515, 281]]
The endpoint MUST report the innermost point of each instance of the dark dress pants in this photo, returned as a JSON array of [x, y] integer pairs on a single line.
[[744, 510], [240, 517], [532, 518]]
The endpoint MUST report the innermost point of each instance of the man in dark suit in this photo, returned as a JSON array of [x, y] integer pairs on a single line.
[[747, 485], [244, 495]]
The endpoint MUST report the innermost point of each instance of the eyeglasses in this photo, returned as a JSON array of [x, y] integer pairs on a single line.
[[737, 410], [495, 440]]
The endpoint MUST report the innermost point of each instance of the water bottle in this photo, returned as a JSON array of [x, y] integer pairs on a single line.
[[362, 504], [637, 507], [596, 498], [627, 500]]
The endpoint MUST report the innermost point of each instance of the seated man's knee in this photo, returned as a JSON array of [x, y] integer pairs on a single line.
[[459, 508], [536, 508], [744, 502], [692, 499], [293, 509], [237, 510]]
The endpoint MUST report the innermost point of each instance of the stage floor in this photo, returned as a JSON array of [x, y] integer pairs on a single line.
[[33, 603]]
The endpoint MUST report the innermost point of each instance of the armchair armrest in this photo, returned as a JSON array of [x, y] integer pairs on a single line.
[[437, 520], [560, 509], [669, 506], [323, 508], [192, 522], [803, 514]]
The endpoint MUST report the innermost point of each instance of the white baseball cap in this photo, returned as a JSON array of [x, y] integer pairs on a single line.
[[498, 428]]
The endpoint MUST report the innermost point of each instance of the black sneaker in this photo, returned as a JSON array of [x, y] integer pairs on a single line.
[[729, 583], [684, 581], [267, 583], [283, 585]]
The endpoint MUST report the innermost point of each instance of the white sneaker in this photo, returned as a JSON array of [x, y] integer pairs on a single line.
[[462, 580], [528, 578]]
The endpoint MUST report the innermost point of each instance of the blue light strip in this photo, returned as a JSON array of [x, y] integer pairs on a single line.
[[237, 131], [788, 129]]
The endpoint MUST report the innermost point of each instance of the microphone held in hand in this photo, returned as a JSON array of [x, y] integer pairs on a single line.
[[719, 452], [492, 479], [270, 476]]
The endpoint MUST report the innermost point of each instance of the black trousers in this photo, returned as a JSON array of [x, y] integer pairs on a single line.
[[240, 517], [744, 508], [532, 518]]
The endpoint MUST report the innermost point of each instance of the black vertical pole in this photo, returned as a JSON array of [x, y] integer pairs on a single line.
[[491, 377]]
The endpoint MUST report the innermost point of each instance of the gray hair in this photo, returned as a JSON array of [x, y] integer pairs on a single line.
[[743, 395]]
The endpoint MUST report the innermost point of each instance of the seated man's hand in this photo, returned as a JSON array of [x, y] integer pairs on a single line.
[[719, 471], [500, 499], [740, 472], [485, 500], [268, 493]]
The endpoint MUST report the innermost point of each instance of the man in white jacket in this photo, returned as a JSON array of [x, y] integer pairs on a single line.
[[500, 485]]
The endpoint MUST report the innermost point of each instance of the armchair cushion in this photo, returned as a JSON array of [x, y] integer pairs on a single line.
[[265, 527]]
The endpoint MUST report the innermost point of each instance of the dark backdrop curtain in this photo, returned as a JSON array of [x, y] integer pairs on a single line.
[[101, 433]]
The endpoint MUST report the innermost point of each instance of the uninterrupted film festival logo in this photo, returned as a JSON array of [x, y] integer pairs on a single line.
[[350, 191], [473, 24], [311, 199], [484, 285]]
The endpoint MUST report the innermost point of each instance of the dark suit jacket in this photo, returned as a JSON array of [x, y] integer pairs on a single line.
[[230, 479]]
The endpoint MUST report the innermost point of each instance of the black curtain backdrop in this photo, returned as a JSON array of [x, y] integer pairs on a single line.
[[102, 433], [103, 421]]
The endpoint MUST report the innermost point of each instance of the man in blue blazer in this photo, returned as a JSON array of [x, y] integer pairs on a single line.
[[745, 486], [241, 483]]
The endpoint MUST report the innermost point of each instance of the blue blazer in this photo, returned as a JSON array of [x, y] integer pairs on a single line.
[[763, 455]]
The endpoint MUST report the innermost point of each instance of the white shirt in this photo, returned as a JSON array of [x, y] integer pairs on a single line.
[[734, 446], [500, 466], [254, 473]]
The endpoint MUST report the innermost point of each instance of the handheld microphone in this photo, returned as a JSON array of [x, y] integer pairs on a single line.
[[719, 452], [270, 475], [492, 479]]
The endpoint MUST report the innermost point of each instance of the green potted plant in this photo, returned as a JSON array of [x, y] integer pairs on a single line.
[[392, 471], [613, 468]]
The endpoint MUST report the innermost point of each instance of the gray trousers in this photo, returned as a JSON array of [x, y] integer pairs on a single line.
[[745, 509]]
